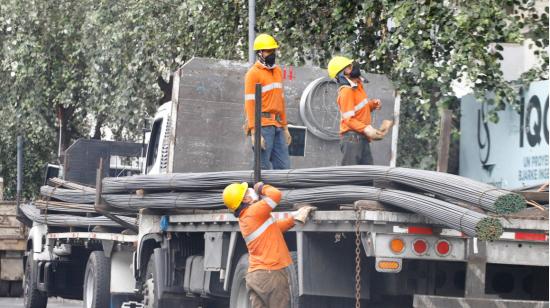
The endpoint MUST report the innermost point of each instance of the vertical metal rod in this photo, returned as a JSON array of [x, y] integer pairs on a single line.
[[19, 168], [251, 33], [258, 133]]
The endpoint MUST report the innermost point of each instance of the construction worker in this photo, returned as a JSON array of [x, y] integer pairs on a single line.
[[267, 278], [356, 131], [275, 135]]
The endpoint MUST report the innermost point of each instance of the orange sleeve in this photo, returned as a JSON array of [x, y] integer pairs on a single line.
[[249, 96], [284, 121], [271, 197], [285, 224], [272, 193], [347, 106]]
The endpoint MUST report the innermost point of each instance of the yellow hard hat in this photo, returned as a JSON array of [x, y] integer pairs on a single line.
[[336, 64], [233, 195], [265, 41]]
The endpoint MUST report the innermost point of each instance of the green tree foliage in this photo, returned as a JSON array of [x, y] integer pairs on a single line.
[[87, 64]]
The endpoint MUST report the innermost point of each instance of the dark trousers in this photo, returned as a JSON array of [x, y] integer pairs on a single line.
[[355, 149], [268, 289]]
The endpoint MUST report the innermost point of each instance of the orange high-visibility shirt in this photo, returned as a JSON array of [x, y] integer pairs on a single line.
[[264, 235], [272, 95], [355, 108]]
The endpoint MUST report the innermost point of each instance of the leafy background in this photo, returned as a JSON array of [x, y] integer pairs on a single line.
[[81, 66]]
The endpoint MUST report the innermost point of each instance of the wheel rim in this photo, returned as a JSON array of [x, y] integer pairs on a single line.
[[89, 295], [242, 297], [148, 293]]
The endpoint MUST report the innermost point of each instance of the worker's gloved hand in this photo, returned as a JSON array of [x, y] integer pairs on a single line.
[[302, 214], [377, 104], [385, 127], [288, 137], [262, 142], [373, 133], [258, 187]]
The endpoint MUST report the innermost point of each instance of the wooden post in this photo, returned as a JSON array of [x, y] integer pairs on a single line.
[[1, 189], [444, 140]]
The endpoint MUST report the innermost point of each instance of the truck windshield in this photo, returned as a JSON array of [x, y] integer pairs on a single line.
[[152, 149]]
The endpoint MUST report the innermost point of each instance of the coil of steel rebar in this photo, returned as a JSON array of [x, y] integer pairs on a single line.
[[480, 194], [35, 215], [470, 222]]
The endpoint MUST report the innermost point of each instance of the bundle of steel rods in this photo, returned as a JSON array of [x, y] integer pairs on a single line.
[[60, 206], [67, 195], [447, 185], [470, 222], [34, 214]]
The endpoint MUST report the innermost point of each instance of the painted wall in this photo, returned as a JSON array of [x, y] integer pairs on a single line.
[[512, 153]]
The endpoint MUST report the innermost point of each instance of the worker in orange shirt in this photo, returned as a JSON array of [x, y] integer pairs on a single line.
[[356, 131], [275, 135], [267, 278]]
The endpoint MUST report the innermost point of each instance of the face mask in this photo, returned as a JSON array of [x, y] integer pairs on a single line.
[[252, 194], [355, 71], [342, 80], [270, 60]]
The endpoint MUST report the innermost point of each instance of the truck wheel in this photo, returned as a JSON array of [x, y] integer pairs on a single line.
[[32, 297], [4, 288], [16, 288], [150, 299], [97, 281], [149, 295], [239, 293]]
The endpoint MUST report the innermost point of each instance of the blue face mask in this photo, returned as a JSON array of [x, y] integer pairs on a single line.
[[341, 79]]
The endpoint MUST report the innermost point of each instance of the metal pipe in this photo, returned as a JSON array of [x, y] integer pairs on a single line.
[[251, 32], [19, 168], [258, 134]]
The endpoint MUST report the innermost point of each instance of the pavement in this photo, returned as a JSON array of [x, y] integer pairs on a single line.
[[12, 302]]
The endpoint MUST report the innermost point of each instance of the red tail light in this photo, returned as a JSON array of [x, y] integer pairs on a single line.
[[420, 247], [443, 248]]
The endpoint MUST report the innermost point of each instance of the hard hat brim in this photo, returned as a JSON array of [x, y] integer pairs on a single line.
[[342, 66], [276, 46]]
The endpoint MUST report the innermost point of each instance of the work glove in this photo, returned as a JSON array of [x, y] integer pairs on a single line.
[[302, 214], [262, 141], [288, 137], [385, 127], [258, 187], [373, 133], [377, 104]]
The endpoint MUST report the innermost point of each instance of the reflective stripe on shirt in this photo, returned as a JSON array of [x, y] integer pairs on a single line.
[[249, 97], [271, 86], [254, 235], [270, 202], [349, 114]]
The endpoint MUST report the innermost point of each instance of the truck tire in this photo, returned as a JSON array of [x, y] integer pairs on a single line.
[[32, 297], [97, 281], [150, 299], [4, 288], [239, 293], [16, 288]]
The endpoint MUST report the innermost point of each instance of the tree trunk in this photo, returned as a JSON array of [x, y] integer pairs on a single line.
[[444, 140], [166, 88], [64, 115], [97, 127]]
